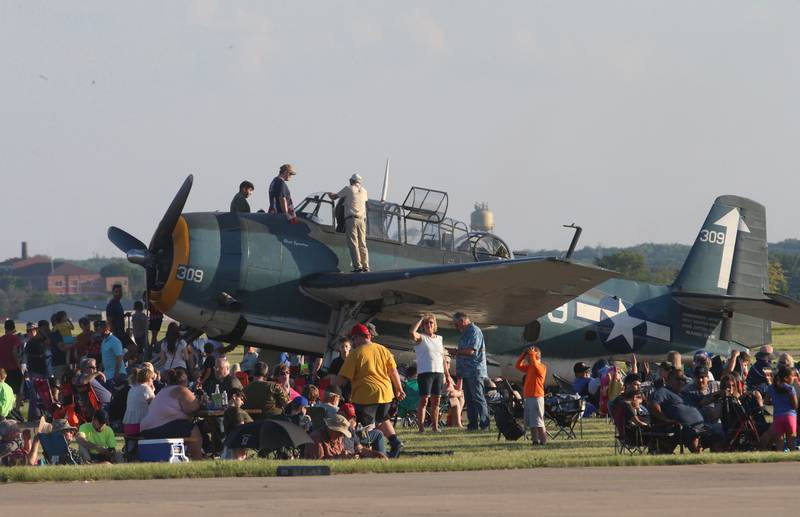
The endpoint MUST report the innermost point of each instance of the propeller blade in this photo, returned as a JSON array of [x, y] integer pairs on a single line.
[[124, 240], [164, 231]]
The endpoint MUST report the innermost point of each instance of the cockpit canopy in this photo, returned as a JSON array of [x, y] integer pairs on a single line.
[[420, 221]]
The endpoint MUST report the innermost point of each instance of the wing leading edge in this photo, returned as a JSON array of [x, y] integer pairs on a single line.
[[504, 292]]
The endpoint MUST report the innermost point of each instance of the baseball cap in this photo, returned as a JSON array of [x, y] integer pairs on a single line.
[[287, 167], [357, 178], [581, 367], [372, 330], [360, 330], [299, 402], [30, 325], [347, 410], [336, 390], [700, 371]]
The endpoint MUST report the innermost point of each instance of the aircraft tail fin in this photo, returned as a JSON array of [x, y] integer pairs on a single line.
[[726, 273], [729, 255]]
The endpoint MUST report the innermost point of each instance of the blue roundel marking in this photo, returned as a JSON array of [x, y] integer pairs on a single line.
[[622, 327]]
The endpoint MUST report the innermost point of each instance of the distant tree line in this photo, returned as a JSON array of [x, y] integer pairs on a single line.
[[661, 263]]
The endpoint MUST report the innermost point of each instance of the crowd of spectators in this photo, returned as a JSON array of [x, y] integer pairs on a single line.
[[91, 384], [711, 403]]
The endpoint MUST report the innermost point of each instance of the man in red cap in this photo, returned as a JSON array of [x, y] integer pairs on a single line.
[[372, 373]]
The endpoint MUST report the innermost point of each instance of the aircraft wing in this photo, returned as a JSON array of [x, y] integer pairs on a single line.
[[502, 292], [773, 307]]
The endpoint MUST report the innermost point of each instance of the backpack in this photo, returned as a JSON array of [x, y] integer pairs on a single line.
[[506, 424]]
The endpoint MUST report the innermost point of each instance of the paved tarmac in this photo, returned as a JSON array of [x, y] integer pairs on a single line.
[[707, 490]]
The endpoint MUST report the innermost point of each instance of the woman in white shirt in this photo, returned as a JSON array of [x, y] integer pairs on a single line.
[[139, 397], [174, 351], [431, 371]]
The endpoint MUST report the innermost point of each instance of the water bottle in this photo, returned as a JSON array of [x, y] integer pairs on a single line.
[[225, 399]]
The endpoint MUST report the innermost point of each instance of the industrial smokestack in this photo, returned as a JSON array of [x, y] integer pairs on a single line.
[[24, 254]]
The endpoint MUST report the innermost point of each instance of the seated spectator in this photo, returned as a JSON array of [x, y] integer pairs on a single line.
[[55, 445], [333, 396], [635, 415], [455, 396], [582, 377], [674, 358], [96, 440], [297, 411], [702, 358], [361, 438], [759, 374], [731, 396], [14, 449], [311, 393], [235, 416], [282, 380], [223, 378], [171, 412], [264, 395], [699, 395], [140, 395], [249, 360], [411, 388], [668, 408], [91, 379], [7, 398], [328, 442]]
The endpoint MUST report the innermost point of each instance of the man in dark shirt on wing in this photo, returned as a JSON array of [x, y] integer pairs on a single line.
[[280, 199]]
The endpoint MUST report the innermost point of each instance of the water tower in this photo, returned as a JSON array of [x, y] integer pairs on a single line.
[[482, 219]]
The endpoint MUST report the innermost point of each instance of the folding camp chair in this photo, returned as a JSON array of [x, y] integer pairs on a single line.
[[44, 396], [56, 451], [565, 412], [564, 386], [317, 415]]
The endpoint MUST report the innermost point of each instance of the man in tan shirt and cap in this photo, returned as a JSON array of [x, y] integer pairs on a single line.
[[355, 221]]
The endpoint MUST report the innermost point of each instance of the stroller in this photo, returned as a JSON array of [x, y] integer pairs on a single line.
[[506, 408], [741, 425]]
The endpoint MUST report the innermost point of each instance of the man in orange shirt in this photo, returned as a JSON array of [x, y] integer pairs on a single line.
[[530, 362]]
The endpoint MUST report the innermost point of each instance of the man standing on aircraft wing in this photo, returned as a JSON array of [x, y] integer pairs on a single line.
[[471, 368], [372, 373], [355, 219], [280, 199], [239, 202]]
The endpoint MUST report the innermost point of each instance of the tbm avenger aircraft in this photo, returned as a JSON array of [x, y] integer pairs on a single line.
[[256, 278]]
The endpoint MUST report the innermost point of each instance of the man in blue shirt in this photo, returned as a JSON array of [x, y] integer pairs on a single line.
[[112, 353], [471, 368], [115, 315], [280, 199], [668, 407]]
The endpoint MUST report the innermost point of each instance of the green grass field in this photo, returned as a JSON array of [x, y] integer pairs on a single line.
[[453, 450], [449, 451]]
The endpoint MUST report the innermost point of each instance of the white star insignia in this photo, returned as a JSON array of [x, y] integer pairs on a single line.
[[623, 323]]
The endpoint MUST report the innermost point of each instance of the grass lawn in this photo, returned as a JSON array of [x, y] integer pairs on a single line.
[[453, 450]]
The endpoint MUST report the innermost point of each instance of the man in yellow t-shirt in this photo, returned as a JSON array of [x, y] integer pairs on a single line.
[[96, 440], [372, 373]]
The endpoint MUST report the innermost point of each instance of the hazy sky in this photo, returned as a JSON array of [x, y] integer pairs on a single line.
[[626, 117]]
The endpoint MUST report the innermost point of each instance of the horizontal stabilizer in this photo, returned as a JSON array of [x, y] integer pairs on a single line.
[[772, 307], [502, 292]]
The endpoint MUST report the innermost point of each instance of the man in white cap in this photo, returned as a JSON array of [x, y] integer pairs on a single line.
[[355, 221]]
